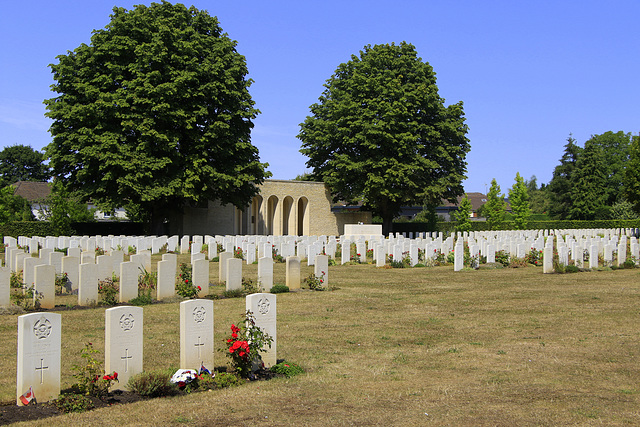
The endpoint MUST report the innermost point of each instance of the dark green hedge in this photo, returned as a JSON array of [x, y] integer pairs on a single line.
[[44, 228], [416, 227]]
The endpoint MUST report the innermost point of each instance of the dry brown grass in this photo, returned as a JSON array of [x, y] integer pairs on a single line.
[[422, 346]]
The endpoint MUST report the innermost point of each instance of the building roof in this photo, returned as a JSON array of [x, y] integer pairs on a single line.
[[476, 199], [31, 190]]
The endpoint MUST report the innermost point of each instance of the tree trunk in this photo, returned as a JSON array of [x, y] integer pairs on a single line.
[[387, 225]]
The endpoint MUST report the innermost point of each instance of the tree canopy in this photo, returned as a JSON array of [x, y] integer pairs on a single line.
[[494, 209], [22, 163], [519, 201], [559, 189], [155, 112], [463, 214], [380, 133]]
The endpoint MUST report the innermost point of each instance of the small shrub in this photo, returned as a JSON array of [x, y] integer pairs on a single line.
[[109, 291], [629, 263], [571, 269], [184, 284], [314, 282], [287, 369], [143, 298], [147, 280], [517, 263], [502, 257], [279, 289], [131, 250], [73, 403], [534, 257], [233, 293], [332, 262], [245, 344], [91, 378], [248, 287], [225, 379], [63, 284], [153, 383], [237, 253], [26, 299], [16, 281], [396, 264]]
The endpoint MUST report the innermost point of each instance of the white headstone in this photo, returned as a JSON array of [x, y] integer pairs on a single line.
[[105, 267], [5, 286], [123, 342], [45, 285], [222, 265], [263, 307], [88, 288], [321, 269], [39, 342], [55, 259], [200, 276], [128, 281], [71, 267], [234, 274], [196, 334], [293, 272], [265, 274], [166, 287]]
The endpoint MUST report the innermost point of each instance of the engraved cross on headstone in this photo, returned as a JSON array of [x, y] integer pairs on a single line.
[[42, 369], [126, 358], [199, 345]]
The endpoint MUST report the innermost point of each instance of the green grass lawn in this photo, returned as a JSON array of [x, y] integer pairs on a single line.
[[421, 346]]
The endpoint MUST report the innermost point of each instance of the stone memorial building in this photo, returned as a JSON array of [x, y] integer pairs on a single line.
[[282, 208]]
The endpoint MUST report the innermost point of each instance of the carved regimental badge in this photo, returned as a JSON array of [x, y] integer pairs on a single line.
[[263, 305], [42, 328], [199, 314], [126, 322]]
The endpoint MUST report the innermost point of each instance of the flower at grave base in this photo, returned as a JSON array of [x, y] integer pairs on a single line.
[[234, 335], [186, 280], [199, 288], [234, 328]]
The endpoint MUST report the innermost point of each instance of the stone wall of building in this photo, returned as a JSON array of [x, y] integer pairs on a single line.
[[281, 208]]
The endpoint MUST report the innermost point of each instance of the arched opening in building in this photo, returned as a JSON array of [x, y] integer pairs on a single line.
[[303, 216], [257, 221], [272, 210], [288, 217]]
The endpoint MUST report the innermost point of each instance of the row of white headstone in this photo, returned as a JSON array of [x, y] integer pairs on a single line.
[[40, 338], [84, 278]]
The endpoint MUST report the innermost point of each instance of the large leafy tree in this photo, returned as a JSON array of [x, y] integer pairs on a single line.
[[614, 147], [155, 113], [559, 189], [632, 175], [589, 183], [13, 207], [22, 163], [381, 134], [519, 201]]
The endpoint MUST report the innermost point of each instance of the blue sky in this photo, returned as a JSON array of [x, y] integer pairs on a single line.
[[529, 73]]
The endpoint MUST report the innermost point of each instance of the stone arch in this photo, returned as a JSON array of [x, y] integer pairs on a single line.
[[273, 210], [257, 217], [303, 216], [288, 217]]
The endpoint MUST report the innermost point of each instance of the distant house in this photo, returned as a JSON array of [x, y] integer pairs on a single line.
[[446, 209], [37, 192]]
